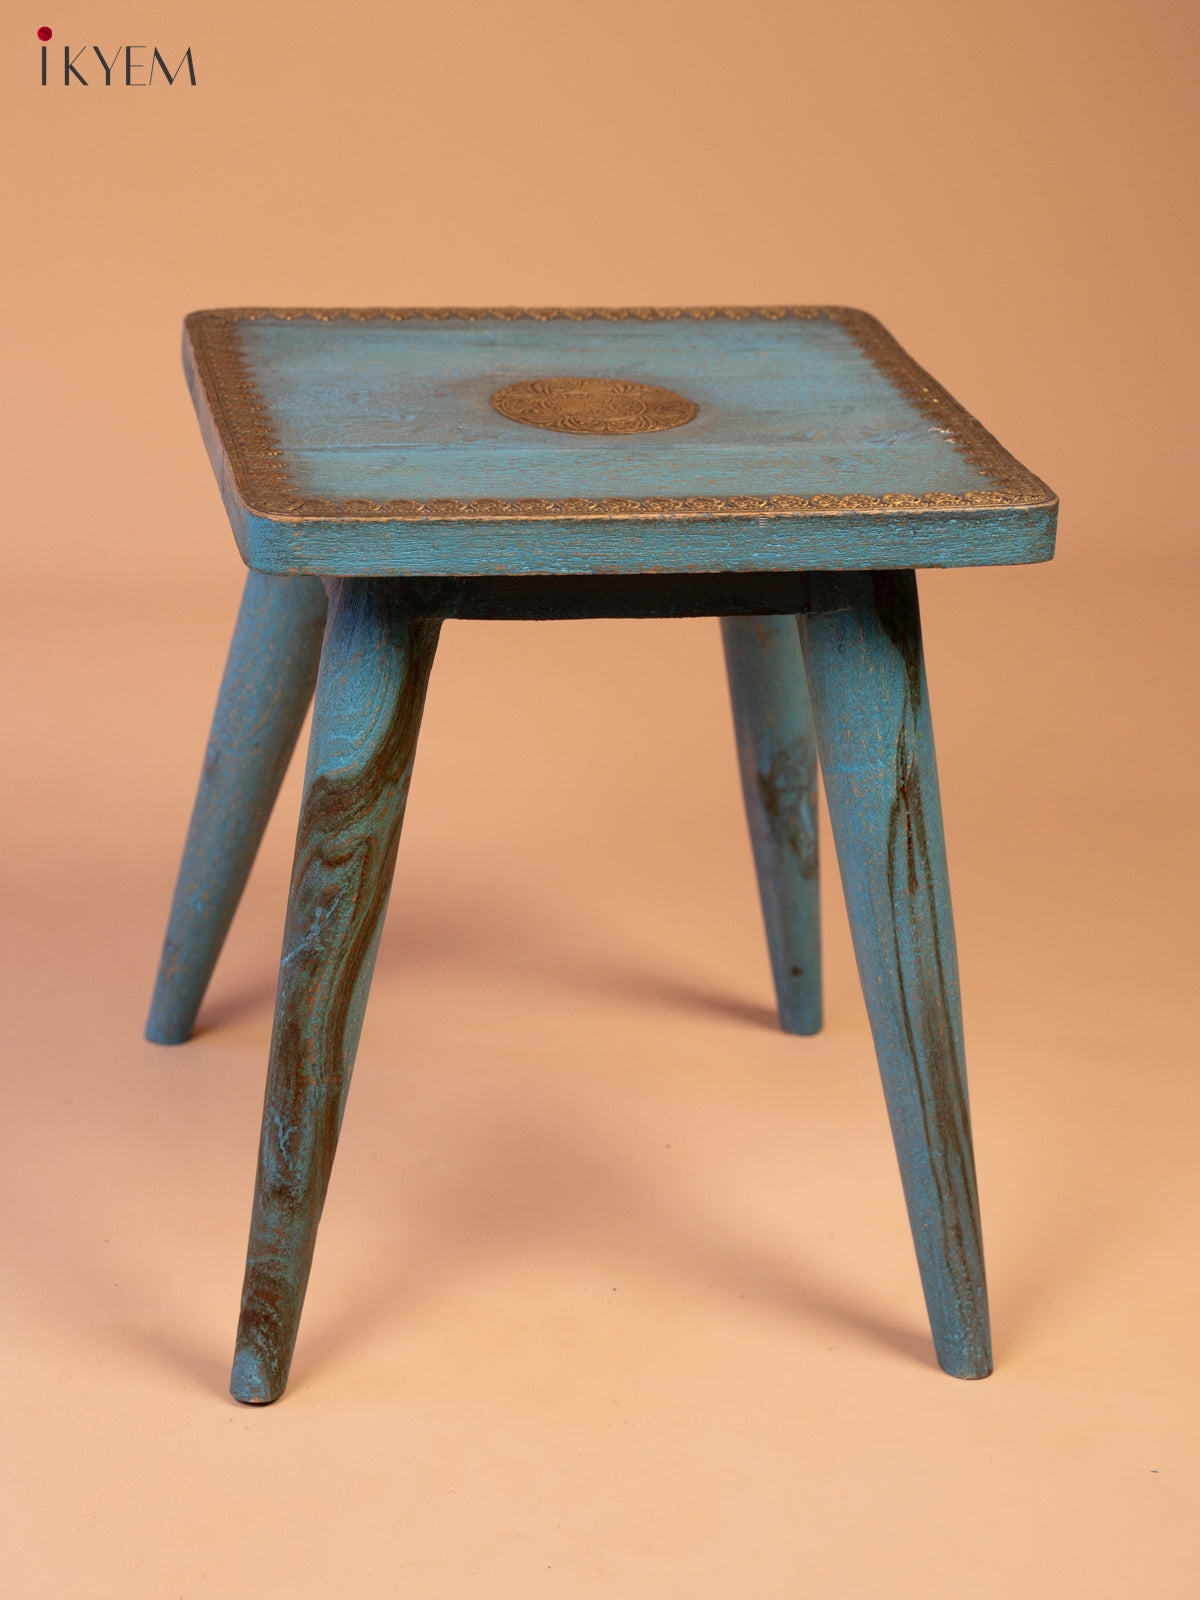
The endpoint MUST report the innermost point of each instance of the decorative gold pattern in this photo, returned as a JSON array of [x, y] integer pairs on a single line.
[[593, 405], [256, 459]]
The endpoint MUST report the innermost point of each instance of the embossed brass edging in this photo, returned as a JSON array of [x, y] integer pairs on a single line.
[[256, 458]]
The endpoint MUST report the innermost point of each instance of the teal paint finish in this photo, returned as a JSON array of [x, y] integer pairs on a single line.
[[370, 695], [861, 637], [264, 695], [777, 759], [366, 408], [833, 541], [399, 410]]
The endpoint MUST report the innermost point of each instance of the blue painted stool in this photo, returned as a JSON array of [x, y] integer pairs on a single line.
[[783, 468]]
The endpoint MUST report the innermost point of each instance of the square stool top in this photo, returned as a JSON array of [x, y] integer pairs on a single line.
[[462, 442]]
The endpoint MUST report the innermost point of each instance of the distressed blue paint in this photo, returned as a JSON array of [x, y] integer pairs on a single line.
[[777, 758], [846, 540], [376, 409], [370, 694], [399, 410], [264, 695], [862, 646]]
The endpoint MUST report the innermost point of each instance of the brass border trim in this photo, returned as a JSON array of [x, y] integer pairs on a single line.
[[257, 459]]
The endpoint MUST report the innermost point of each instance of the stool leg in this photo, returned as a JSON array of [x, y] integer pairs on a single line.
[[370, 694], [268, 683], [862, 646], [777, 756]]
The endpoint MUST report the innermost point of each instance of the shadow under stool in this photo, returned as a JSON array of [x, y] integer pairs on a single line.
[[784, 469]]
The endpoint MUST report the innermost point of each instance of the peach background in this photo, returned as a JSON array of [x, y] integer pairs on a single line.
[[614, 1294]]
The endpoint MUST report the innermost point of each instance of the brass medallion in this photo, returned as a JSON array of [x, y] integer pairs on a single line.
[[593, 405]]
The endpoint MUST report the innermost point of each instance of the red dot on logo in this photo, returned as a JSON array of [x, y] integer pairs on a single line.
[[45, 33]]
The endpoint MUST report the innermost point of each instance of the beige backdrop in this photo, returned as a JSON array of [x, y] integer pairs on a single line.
[[614, 1294]]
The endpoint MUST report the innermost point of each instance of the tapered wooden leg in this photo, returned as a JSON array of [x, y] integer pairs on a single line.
[[777, 755], [370, 694], [862, 647], [268, 683]]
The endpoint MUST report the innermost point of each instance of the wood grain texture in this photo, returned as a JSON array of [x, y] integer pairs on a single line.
[[841, 541], [264, 695], [370, 695], [792, 406], [777, 759], [365, 443], [862, 645]]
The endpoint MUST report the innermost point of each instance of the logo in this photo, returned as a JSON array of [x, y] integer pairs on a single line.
[[128, 68]]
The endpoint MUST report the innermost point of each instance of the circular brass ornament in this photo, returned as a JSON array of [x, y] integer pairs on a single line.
[[593, 405]]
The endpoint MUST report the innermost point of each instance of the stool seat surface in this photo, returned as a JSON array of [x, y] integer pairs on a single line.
[[368, 442]]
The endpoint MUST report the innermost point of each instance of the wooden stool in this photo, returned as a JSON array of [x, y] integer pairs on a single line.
[[785, 469]]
